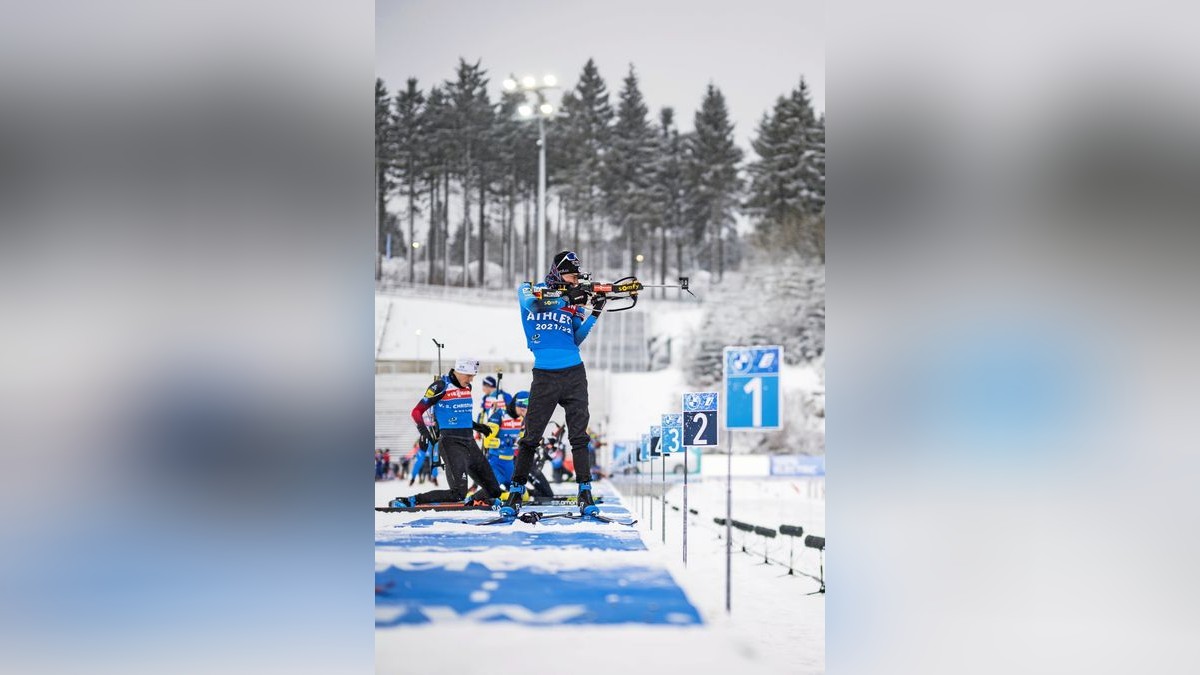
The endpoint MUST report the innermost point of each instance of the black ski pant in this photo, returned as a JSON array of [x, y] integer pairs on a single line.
[[462, 456], [552, 388]]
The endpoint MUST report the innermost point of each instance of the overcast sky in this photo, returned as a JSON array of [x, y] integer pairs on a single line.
[[753, 50]]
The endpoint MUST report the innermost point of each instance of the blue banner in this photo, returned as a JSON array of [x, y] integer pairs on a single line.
[[797, 465]]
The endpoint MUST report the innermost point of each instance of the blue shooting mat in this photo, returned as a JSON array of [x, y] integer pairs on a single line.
[[423, 593]]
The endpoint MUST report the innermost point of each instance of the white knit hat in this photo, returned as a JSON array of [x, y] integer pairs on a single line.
[[466, 366]]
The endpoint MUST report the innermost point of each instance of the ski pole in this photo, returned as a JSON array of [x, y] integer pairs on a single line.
[[439, 348]]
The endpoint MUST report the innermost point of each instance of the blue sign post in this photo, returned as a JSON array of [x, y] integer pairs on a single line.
[[752, 401], [700, 430], [753, 397], [643, 456], [672, 442], [655, 451], [700, 419], [672, 433]]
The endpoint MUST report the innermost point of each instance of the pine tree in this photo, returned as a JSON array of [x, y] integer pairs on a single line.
[[410, 153], [439, 135], [587, 134], [487, 159], [385, 152], [714, 184], [787, 188], [669, 192], [470, 118], [814, 178], [629, 169]]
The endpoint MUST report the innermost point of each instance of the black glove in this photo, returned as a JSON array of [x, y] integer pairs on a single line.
[[429, 435], [576, 295], [598, 303]]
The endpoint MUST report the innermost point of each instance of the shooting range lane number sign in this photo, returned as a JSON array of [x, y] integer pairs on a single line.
[[700, 419], [753, 397]]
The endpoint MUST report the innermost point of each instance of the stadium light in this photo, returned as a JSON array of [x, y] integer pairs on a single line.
[[416, 244], [640, 258], [536, 96]]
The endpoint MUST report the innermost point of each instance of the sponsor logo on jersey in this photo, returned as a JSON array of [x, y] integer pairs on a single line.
[[456, 393]]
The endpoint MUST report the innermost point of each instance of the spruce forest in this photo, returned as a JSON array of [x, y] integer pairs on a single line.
[[457, 178]]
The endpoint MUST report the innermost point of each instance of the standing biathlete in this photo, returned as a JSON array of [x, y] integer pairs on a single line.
[[554, 329], [450, 398]]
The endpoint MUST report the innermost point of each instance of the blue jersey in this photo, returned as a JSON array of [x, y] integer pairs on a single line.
[[510, 431], [493, 405], [553, 329], [451, 404]]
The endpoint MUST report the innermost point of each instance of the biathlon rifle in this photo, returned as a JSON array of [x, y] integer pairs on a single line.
[[626, 288]]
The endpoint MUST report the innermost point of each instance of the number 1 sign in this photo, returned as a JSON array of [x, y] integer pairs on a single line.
[[752, 392]]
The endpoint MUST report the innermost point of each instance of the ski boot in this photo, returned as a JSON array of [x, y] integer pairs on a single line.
[[587, 506], [512, 505], [480, 498], [403, 502]]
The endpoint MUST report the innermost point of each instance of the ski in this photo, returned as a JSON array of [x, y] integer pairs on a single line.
[[436, 506], [603, 519], [458, 506], [561, 501], [530, 517], [496, 521]]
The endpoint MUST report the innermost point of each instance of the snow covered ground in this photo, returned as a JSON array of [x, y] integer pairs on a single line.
[[771, 609], [774, 628]]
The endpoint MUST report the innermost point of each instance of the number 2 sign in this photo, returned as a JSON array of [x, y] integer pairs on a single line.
[[700, 419]]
